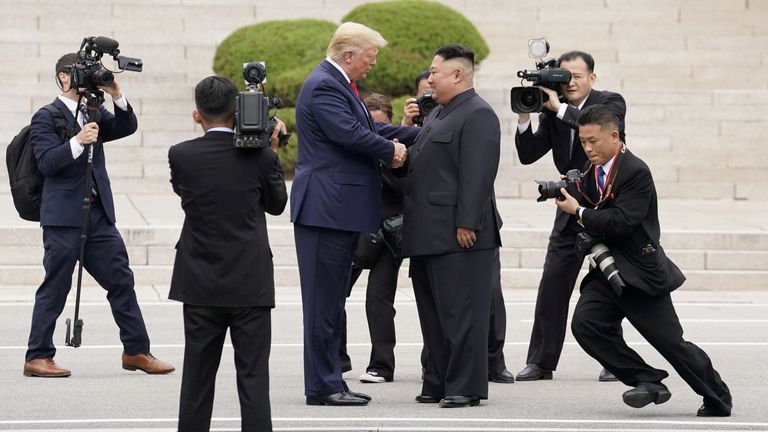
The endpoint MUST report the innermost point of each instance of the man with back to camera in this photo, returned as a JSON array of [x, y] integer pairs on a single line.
[[618, 207], [451, 231], [558, 132], [63, 166], [335, 195], [223, 270], [497, 330]]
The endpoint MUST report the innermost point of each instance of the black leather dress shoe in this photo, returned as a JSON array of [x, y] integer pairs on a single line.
[[424, 398], [533, 372], [504, 377], [336, 399], [706, 411], [359, 395], [459, 401], [606, 376], [645, 393]]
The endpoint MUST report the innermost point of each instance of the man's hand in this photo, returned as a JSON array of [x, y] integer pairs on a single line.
[[274, 141], [113, 90], [465, 237], [88, 134], [553, 103], [567, 203], [401, 153], [410, 111]]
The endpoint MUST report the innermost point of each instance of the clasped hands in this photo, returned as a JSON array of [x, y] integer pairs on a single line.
[[401, 154]]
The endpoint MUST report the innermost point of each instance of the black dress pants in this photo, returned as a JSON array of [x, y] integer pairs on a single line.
[[107, 261], [453, 294], [596, 319], [205, 328], [561, 269]]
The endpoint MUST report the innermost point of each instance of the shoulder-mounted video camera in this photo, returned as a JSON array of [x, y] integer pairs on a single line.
[[528, 99], [253, 124], [426, 104], [90, 73]]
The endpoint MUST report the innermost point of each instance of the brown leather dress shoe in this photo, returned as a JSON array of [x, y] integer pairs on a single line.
[[146, 362], [45, 368]]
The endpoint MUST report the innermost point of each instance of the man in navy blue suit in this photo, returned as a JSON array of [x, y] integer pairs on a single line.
[[335, 195], [63, 165]]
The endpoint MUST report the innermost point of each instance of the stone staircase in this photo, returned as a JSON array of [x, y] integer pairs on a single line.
[[694, 74]]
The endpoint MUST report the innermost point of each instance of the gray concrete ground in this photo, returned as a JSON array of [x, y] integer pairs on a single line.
[[731, 326]]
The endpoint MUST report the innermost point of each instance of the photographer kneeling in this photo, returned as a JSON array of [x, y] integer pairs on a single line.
[[223, 270], [619, 199]]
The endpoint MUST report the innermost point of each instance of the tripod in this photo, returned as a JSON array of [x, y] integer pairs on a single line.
[[93, 100]]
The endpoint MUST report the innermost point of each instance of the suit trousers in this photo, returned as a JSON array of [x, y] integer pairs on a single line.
[[205, 328], [107, 261], [561, 269], [596, 326], [453, 295], [325, 263], [497, 324], [380, 312]]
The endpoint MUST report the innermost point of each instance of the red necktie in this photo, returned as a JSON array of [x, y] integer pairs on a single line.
[[354, 88]]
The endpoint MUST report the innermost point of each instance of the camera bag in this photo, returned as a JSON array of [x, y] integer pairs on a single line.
[[23, 174], [393, 233], [368, 249]]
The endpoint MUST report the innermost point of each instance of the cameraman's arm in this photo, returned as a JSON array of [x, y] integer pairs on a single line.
[[120, 124], [532, 146], [274, 194], [274, 140]]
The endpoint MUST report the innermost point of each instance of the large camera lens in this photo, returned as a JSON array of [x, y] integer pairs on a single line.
[[549, 189], [526, 99], [254, 72], [102, 77]]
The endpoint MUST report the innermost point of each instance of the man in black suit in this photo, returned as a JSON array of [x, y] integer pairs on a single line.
[[63, 166], [451, 231], [620, 211], [558, 132], [223, 270]]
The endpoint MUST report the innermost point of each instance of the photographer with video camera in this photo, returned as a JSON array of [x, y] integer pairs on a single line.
[[558, 132], [617, 204], [67, 229], [417, 109], [223, 269]]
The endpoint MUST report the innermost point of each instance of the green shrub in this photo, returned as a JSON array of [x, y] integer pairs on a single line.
[[291, 48], [288, 153], [414, 30]]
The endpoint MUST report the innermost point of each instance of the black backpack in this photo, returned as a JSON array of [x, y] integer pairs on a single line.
[[26, 179]]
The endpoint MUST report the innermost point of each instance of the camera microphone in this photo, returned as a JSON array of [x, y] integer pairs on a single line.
[[105, 43]]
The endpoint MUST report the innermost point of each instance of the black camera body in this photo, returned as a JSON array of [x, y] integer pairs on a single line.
[[599, 256], [253, 124], [551, 189], [426, 104], [528, 99], [89, 73]]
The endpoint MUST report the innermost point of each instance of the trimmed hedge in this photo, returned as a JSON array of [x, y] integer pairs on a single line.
[[414, 30]]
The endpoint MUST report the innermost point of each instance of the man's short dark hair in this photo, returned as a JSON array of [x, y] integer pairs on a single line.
[[421, 77], [450, 52], [379, 102], [573, 55], [215, 98], [65, 63], [599, 115]]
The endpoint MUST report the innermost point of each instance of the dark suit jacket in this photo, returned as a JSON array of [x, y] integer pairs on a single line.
[[629, 221], [451, 169], [64, 177], [555, 134], [223, 256], [336, 183]]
